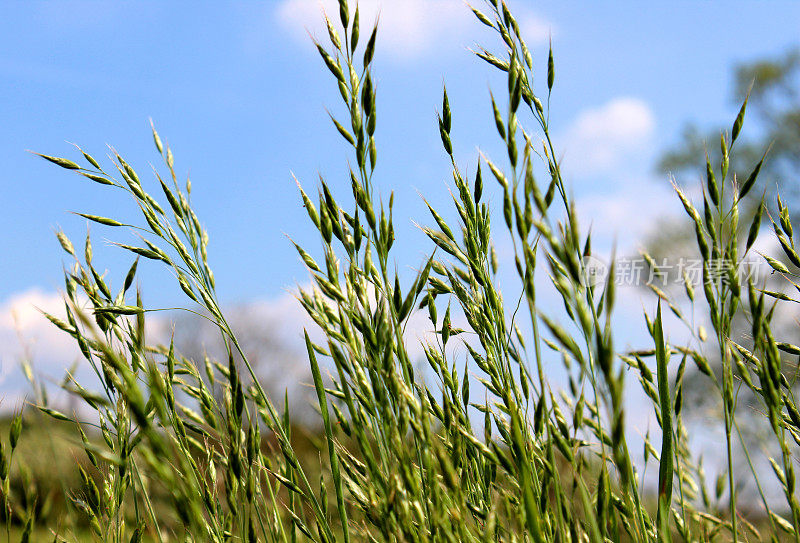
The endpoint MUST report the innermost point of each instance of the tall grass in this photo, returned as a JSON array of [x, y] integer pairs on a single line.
[[410, 455]]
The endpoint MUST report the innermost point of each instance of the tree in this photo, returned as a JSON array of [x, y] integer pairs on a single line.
[[772, 89], [278, 363], [774, 104]]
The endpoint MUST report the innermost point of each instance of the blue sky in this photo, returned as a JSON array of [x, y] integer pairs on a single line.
[[240, 94]]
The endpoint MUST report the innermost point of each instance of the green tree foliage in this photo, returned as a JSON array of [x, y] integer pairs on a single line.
[[771, 145], [773, 85]]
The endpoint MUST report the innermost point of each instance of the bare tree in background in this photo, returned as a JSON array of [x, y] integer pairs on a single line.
[[774, 128], [280, 364], [774, 109]]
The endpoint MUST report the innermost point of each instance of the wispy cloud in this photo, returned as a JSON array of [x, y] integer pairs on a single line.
[[535, 30], [623, 216], [269, 329], [601, 138], [408, 28], [25, 333], [27, 336]]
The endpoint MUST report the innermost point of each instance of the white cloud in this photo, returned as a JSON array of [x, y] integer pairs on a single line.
[[287, 319], [618, 216], [269, 329], [535, 30], [26, 334], [600, 138], [408, 28]]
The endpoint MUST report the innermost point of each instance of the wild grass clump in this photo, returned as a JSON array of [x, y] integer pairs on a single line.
[[410, 454]]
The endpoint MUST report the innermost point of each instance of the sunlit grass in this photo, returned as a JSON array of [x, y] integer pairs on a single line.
[[480, 446]]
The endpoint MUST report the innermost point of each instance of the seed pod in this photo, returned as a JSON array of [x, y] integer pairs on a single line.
[[66, 244], [478, 187], [448, 146], [3, 463], [776, 265], [711, 183], [516, 95], [737, 124], [343, 131], [15, 431], [431, 308], [446, 115], [507, 209], [498, 119], [97, 178], [482, 18], [751, 179], [119, 310], [786, 223], [344, 92], [333, 35], [101, 220], [332, 65], [354, 32], [788, 250], [755, 226], [723, 145], [369, 52], [551, 191], [446, 327], [89, 158], [63, 162], [344, 15], [310, 209]]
